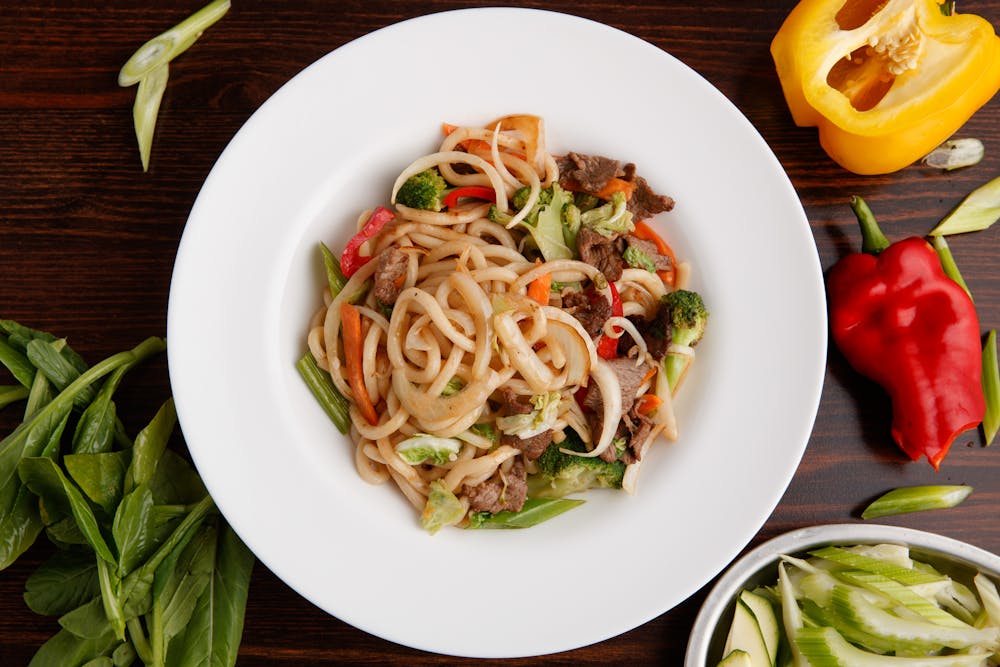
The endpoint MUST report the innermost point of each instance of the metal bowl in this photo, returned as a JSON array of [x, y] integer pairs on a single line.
[[760, 567]]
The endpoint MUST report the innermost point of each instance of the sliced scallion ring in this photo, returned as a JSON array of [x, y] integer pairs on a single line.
[[917, 499], [168, 45], [146, 108]]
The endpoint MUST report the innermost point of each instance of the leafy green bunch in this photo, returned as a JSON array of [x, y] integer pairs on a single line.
[[143, 565]]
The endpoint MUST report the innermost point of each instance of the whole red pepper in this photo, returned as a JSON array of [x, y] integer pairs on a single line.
[[899, 320]]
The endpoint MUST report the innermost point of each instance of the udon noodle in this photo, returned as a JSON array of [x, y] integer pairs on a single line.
[[476, 347]]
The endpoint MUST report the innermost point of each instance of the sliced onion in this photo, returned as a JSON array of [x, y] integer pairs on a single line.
[[611, 395]]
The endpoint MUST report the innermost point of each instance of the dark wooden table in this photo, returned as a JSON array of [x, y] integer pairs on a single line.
[[87, 242]]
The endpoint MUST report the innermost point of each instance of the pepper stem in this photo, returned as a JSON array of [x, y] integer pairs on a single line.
[[873, 241]]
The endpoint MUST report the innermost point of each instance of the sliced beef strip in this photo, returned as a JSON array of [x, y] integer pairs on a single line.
[[629, 377], [640, 427], [512, 403], [390, 274], [532, 447], [591, 309], [502, 491], [645, 203], [589, 173], [656, 333], [649, 249], [601, 251]]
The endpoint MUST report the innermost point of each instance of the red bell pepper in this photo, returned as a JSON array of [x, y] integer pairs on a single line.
[[899, 320], [351, 260], [475, 191], [607, 347]]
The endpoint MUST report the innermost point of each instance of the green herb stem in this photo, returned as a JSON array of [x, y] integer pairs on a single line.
[[991, 387], [322, 387], [948, 262]]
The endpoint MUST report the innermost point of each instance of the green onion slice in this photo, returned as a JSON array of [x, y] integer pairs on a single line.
[[168, 45], [146, 109], [991, 387], [979, 210], [322, 387], [955, 154], [917, 499], [948, 262]]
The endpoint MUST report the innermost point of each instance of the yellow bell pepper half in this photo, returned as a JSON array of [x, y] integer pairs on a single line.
[[884, 81]]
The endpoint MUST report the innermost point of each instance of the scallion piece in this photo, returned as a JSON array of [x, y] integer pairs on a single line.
[[917, 499], [146, 109], [991, 387], [168, 45], [322, 387], [534, 512], [334, 275], [955, 154], [948, 262], [979, 210]]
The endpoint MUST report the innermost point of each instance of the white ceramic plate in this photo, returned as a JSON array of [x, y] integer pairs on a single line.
[[329, 144]]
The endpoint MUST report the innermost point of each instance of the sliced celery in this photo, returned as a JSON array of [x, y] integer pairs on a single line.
[[955, 154], [904, 595], [168, 45], [917, 499], [991, 387], [146, 109], [825, 647], [979, 210], [948, 262], [903, 575]]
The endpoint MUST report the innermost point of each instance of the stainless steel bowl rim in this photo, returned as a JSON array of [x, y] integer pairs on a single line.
[[803, 539]]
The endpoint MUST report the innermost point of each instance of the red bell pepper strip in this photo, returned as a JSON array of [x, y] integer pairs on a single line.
[[351, 260], [899, 320], [607, 347], [475, 191]]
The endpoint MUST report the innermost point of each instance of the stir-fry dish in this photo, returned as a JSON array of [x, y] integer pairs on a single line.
[[511, 332]]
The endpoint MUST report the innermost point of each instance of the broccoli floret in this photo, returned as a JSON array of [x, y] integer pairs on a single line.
[[688, 318], [423, 190], [560, 474], [611, 218]]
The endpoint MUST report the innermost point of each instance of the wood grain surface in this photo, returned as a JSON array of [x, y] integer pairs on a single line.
[[87, 242]]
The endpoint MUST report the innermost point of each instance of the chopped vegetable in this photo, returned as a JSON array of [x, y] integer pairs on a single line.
[[955, 154], [534, 512], [647, 403], [866, 605], [148, 67], [689, 318], [884, 83], [540, 419], [978, 211], [351, 325], [561, 473], [335, 278], [473, 191], [442, 509], [917, 499], [332, 401], [900, 321], [351, 259], [610, 218], [424, 448], [146, 109], [168, 45], [991, 387], [540, 288], [607, 346], [424, 190], [645, 232]]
